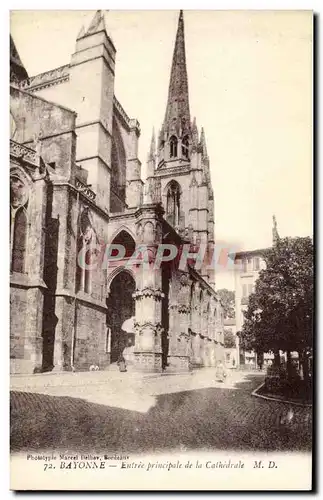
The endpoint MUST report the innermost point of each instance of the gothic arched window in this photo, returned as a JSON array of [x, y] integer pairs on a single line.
[[173, 146], [185, 146], [19, 241], [173, 203]]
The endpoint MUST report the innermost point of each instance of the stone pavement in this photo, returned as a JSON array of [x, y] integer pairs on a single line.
[[126, 412]]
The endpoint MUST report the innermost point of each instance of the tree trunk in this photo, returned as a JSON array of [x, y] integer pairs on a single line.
[[260, 360], [276, 358], [304, 362], [289, 365]]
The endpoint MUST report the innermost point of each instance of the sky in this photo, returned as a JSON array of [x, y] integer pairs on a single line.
[[250, 87]]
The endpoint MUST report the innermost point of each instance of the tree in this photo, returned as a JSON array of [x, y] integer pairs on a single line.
[[227, 298], [229, 339], [280, 312]]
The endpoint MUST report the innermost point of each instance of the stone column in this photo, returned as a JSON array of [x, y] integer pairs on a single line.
[[65, 209], [179, 319], [148, 297], [196, 326], [148, 349], [65, 312], [33, 343], [35, 270]]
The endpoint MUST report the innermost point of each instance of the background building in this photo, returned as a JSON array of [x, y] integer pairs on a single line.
[[248, 265]]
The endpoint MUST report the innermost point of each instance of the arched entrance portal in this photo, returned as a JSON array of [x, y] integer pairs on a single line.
[[121, 306]]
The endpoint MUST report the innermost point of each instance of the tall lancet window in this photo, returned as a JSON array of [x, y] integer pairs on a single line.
[[173, 203], [19, 193], [19, 241], [173, 146], [185, 146]]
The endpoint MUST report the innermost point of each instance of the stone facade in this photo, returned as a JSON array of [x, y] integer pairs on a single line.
[[76, 187]]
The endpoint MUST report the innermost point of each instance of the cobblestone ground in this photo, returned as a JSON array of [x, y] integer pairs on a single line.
[[125, 413]]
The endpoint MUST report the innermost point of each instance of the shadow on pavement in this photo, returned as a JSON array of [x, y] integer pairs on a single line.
[[208, 419]]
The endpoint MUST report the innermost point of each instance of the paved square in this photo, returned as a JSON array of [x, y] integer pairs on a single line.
[[124, 412]]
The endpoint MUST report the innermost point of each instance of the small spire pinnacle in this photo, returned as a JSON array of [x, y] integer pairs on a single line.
[[203, 142], [151, 156], [275, 231], [81, 33], [195, 133], [177, 110], [97, 23], [152, 151]]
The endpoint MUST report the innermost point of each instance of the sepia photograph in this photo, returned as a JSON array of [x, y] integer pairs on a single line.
[[161, 250]]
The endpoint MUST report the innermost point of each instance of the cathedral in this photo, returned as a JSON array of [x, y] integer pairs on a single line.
[[76, 186]]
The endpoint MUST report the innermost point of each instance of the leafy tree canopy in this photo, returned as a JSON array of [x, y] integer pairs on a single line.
[[229, 339], [227, 298], [280, 312]]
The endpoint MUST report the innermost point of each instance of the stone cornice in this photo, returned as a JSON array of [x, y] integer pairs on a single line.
[[93, 122], [73, 188], [80, 297], [25, 281], [121, 113], [152, 209], [128, 213], [46, 79], [85, 190], [24, 153], [170, 171]]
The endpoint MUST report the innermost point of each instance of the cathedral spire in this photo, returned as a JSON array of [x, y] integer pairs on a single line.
[[177, 116], [203, 143], [195, 133], [275, 231], [152, 150]]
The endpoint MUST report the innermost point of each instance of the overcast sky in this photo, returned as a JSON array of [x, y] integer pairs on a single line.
[[250, 86]]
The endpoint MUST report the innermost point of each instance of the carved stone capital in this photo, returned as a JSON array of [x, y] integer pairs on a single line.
[[184, 309], [149, 292]]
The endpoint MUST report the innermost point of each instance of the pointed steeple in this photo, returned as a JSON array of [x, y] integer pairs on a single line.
[[97, 23], [203, 143], [177, 116], [151, 158], [195, 134], [275, 231], [152, 150], [81, 33]]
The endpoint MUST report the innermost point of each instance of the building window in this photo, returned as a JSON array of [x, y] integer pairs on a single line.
[[250, 289], [173, 146], [244, 291], [173, 204], [19, 241], [257, 264], [185, 146], [244, 265]]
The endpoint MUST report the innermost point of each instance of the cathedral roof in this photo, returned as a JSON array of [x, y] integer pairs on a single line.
[[177, 116]]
